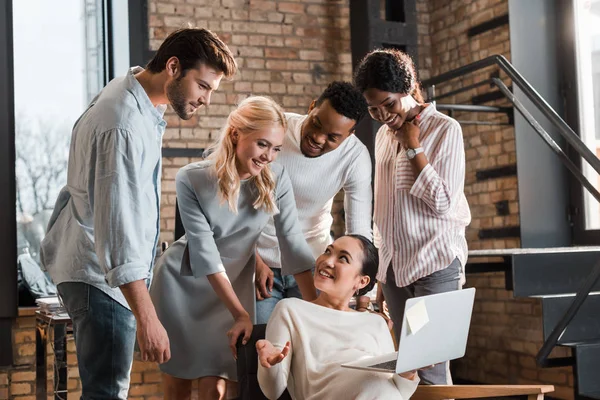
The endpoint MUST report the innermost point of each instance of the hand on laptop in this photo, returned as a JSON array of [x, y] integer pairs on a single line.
[[268, 355], [411, 375]]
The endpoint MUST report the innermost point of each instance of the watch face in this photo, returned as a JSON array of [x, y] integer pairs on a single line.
[[410, 153]]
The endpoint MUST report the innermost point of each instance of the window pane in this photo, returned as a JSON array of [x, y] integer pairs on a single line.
[[587, 44], [58, 68]]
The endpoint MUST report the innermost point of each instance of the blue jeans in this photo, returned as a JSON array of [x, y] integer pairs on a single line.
[[283, 287], [104, 333]]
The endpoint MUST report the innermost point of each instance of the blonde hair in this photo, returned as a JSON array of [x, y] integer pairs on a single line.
[[252, 114]]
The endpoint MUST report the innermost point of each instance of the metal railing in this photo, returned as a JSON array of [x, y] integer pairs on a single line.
[[564, 130]]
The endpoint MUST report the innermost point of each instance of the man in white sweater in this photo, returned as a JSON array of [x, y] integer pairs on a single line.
[[321, 155]]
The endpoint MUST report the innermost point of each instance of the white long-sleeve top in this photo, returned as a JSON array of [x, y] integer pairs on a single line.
[[315, 182], [420, 221], [321, 340]]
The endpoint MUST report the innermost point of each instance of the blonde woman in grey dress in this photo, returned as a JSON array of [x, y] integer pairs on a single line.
[[203, 287]]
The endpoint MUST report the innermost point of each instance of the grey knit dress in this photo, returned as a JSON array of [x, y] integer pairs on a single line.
[[217, 240]]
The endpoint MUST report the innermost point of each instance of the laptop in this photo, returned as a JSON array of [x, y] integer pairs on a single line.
[[434, 330]]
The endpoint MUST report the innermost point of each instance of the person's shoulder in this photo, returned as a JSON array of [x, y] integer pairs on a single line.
[[445, 122], [115, 108], [202, 170], [277, 169], [294, 303], [357, 148], [293, 119], [374, 321], [286, 307]]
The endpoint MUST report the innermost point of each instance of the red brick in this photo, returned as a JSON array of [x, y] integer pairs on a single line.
[[23, 376], [20, 388], [294, 8]]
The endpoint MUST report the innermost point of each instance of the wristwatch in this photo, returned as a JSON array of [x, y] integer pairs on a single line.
[[412, 153]]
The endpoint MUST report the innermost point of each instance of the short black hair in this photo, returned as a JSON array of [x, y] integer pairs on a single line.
[[193, 46], [370, 262], [345, 99], [389, 70]]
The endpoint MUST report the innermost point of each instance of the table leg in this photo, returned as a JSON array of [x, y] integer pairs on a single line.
[[60, 360], [41, 340]]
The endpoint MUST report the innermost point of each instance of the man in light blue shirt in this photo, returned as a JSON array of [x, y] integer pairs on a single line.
[[103, 233]]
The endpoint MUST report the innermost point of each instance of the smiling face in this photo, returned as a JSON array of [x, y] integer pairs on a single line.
[[189, 92], [255, 150], [324, 130], [389, 108], [338, 270]]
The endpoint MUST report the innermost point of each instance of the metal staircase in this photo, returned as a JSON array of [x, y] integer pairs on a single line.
[[566, 279]]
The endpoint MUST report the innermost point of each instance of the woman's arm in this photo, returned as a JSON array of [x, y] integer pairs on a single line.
[[205, 259], [440, 180], [243, 325], [273, 380], [306, 284]]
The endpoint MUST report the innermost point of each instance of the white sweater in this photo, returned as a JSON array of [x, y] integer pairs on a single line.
[[315, 182], [321, 340]]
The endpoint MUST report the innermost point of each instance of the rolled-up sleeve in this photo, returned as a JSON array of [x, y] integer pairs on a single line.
[[296, 255], [358, 197], [117, 192], [204, 256], [441, 182]]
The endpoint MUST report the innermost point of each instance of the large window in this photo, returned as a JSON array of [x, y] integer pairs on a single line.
[[58, 68], [62, 57], [587, 53]]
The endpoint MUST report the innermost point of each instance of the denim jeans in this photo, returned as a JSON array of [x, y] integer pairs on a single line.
[[445, 280], [104, 333], [283, 287]]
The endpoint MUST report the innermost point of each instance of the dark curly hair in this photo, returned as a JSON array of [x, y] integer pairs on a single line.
[[389, 70], [370, 262], [345, 99], [193, 46]]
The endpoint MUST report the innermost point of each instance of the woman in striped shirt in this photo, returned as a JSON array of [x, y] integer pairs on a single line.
[[420, 211]]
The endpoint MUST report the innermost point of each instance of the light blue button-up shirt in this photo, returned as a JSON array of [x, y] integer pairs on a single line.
[[105, 225]]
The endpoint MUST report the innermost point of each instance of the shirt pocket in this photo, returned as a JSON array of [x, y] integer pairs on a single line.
[[405, 175]]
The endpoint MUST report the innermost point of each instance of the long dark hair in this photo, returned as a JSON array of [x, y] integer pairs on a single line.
[[370, 262]]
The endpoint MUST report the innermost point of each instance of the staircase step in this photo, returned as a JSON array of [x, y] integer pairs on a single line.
[[587, 368], [594, 395], [538, 274], [585, 326], [539, 271]]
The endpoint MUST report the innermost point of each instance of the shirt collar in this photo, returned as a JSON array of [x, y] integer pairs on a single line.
[[140, 95]]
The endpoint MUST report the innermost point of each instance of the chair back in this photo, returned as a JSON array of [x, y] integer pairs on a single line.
[[247, 367]]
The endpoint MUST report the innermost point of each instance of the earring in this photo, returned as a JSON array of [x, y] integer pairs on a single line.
[[356, 293]]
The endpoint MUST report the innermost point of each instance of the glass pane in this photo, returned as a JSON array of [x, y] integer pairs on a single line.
[[587, 42], [58, 68]]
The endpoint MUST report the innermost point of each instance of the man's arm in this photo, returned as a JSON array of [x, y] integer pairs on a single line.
[[358, 197], [122, 252], [152, 336]]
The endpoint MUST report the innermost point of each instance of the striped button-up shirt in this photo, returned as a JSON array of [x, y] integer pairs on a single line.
[[420, 219]]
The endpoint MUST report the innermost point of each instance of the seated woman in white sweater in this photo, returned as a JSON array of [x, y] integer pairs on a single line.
[[306, 342]]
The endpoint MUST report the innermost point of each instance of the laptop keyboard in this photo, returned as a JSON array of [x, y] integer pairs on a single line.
[[389, 365]]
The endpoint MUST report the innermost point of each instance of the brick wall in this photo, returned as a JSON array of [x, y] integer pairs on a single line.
[[289, 50]]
